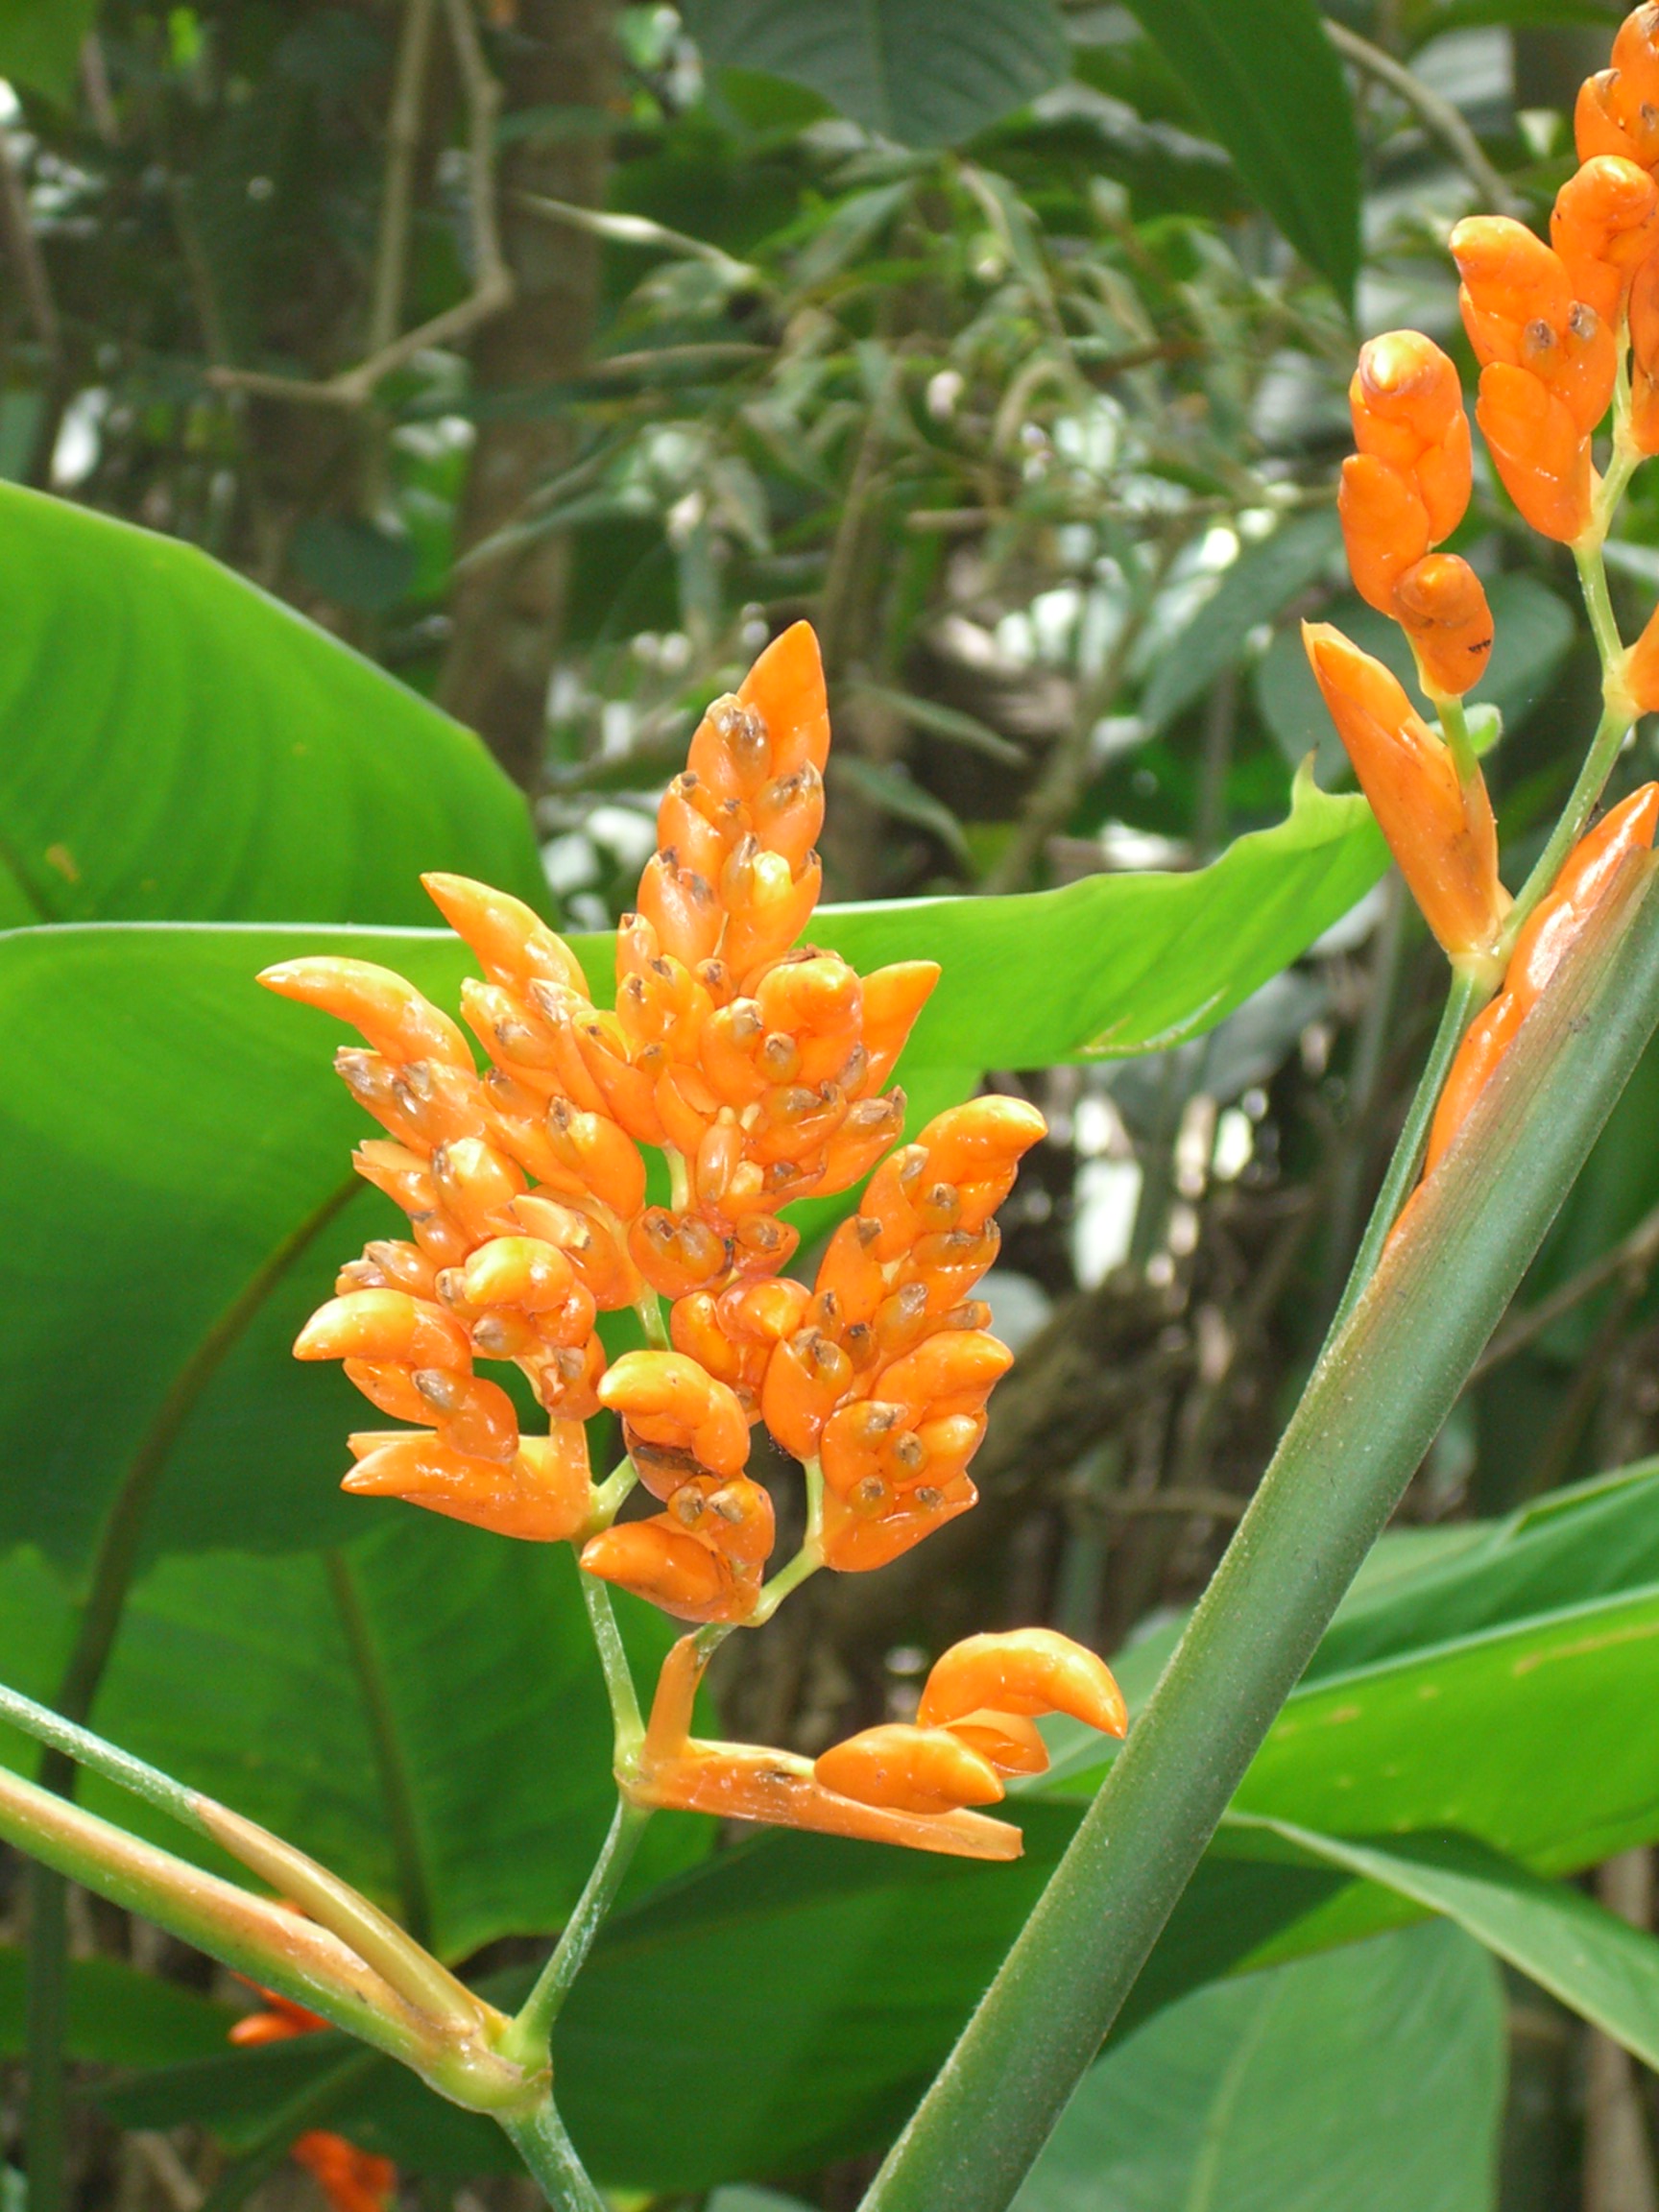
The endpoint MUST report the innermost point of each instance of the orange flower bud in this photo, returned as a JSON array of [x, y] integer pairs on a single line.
[[1441, 604], [861, 1533], [669, 1400], [1027, 1671], [789, 813], [892, 999], [381, 1006], [1408, 411], [386, 1325], [1384, 527], [669, 1569], [515, 1037], [1644, 358], [1604, 225], [914, 1770], [513, 944], [1537, 451], [544, 1497], [733, 1515], [597, 1258], [677, 1253], [865, 1133], [952, 1373], [519, 1271], [1519, 310], [567, 1379], [1441, 834], [1008, 1741], [1598, 126], [806, 1378], [850, 1272], [596, 1151], [681, 906], [785, 688], [984, 1137], [352, 2180], [766, 908], [477, 1184]]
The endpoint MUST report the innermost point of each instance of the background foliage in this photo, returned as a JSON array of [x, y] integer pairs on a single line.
[[1008, 342]]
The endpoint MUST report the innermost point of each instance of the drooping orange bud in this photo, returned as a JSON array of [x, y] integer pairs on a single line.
[[669, 1400], [1441, 833], [513, 944], [1538, 451], [1618, 109], [1519, 310], [862, 1534], [544, 1497], [381, 1006], [1027, 1670], [385, 1324], [1440, 603], [670, 1570], [913, 1769], [1008, 1741], [893, 999], [1605, 225]]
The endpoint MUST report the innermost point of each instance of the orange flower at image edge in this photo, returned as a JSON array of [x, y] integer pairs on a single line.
[[761, 1070], [352, 2180]]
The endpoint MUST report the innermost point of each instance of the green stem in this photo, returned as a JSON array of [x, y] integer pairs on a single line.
[[807, 1561], [628, 1726], [1464, 1001], [1454, 729], [610, 1496], [1582, 801], [650, 1312], [48, 1968], [1599, 605], [1373, 1405], [531, 2027], [542, 2144]]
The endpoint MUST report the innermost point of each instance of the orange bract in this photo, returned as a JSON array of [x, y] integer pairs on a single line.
[[1440, 833]]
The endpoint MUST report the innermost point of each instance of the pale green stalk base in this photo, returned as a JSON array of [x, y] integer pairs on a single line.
[[1371, 1409], [542, 2144]]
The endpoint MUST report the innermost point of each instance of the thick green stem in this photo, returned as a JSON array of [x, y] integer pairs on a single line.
[[528, 2037], [542, 2144], [625, 1716], [1467, 996], [1372, 1407]]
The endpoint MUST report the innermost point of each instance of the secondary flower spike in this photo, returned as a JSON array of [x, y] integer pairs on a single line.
[[1552, 930], [1402, 493], [1440, 830]]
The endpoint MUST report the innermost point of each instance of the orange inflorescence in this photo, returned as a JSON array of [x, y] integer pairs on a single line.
[[1439, 830], [762, 1073], [1404, 490], [352, 2180], [1551, 930]]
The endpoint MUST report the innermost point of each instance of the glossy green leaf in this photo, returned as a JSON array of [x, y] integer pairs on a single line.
[[117, 2016], [1258, 588], [1595, 1962], [924, 72], [1373, 2075], [180, 746], [1267, 83], [41, 43], [422, 1709], [1532, 630]]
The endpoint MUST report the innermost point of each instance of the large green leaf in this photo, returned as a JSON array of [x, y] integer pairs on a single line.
[[924, 72], [1371, 2076], [421, 1708], [183, 1111], [1266, 80], [117, 2016], [1599, 1964], [41, 43], [179, 745]]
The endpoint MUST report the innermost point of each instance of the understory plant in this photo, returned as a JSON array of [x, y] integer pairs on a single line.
[[599, 1211]]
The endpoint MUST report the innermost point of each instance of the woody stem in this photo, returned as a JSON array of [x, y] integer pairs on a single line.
[[1468, 994], [527, 2040]]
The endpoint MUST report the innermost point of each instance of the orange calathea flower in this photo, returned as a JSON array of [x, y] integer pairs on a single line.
[[1440, 830]]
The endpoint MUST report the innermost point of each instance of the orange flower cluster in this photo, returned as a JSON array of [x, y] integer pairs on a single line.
[[1404, 490], [898, 1782], [1440, 828], [1616, 123], [760, 1073], [1551, 930], [352, 2180]]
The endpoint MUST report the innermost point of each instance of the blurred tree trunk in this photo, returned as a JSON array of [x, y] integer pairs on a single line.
[[506, 613]]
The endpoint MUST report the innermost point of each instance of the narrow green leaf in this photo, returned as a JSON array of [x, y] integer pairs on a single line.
[[1598, 1965], [180, 746], [117, 2015], [1268, 82], [924, 72], [1372, 2076]]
